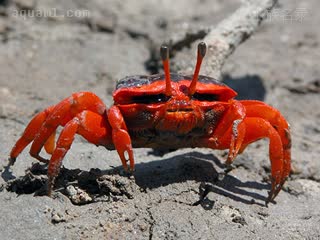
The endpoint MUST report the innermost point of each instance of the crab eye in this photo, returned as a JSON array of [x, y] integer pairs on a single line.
[[205, 97], [147, 99]]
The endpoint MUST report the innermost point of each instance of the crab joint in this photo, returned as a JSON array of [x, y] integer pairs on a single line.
[[164, 53], [202, 49]]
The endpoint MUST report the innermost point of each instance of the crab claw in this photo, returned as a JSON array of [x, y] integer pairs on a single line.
[[120, 137]]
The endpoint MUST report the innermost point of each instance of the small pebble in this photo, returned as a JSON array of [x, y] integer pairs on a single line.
[[57, 217]]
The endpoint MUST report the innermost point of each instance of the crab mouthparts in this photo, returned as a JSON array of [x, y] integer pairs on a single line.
[[179, 110]]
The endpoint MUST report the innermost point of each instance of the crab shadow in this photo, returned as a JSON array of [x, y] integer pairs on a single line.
[[248, 86], [205, 169], [193, 166]]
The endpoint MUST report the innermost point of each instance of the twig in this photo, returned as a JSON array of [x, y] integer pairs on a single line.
[[224, 38]]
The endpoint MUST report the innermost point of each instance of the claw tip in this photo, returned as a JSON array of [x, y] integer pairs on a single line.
[[12, 160]]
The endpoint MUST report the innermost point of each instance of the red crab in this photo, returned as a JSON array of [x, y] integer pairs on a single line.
[[161, 111]]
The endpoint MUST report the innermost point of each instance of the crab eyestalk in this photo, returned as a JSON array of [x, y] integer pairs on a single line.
[[202, 49], [164, 53]]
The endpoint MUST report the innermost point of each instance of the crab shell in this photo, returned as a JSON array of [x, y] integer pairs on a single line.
[[159, 121]]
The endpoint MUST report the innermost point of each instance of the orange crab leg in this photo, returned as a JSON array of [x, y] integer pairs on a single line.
[[261, 121], [48, 128], [120, 136], [51, 118], [231, 131], [257, 128], [63, 145], [30, 133], [92, 126], [262, 110], [50, 144]]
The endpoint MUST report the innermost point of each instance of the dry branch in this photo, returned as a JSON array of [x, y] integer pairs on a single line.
[[224, 38]]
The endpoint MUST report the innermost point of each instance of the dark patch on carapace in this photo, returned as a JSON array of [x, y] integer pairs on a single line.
[[140, 80]]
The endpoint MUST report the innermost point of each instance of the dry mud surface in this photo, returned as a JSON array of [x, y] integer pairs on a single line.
[[180, 195]]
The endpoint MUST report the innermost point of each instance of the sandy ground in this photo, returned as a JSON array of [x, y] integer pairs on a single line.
[[44, 59]]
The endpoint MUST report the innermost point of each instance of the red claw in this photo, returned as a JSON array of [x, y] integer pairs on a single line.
[[120, 136]]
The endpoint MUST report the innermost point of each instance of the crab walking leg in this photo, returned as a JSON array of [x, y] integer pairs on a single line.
[[257, 128], [262, 110], [120, 136], [92, 126], [63, 145], [30, 133], [231, 131], [61, 114], [50, 144]]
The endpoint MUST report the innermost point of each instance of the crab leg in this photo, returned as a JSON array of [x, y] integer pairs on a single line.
[[230, 131], [50, 144], [63, 145], [279, 123], [257, 128], [252, 129], [120, 136], [92, 126], [262, 110], [30, 133], [41, 129]]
